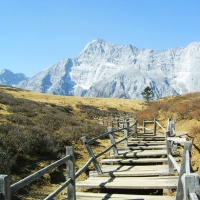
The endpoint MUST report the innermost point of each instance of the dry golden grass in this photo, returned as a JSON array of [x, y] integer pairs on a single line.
[[125, 105]]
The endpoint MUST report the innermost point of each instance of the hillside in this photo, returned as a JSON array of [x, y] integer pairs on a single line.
[[35, 128]]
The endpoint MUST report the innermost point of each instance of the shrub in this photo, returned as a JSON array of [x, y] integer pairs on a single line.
[[40, 130]]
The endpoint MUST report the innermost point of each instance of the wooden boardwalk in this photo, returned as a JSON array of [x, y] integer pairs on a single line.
[[140, 171], [140, 166]]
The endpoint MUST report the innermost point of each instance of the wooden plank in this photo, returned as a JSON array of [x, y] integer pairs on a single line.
[[104, 196], [151, 136], [133, 160], [176, 139], [141, 153], [146, 143], [121, 151], [148, 139], [142, 147], [129, 171], [160, 182]]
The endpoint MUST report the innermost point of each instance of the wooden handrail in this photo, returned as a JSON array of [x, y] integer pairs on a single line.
[[176, 165], [58, 190], [187, 162], [29, 179], [6, 189], [161, 126], [103, 135], [84, 168], [175, 139], [104, 151]]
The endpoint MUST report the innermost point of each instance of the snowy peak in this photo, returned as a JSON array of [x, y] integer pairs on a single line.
[[104, 69], [54, 80], [105, 50], [9, 78]]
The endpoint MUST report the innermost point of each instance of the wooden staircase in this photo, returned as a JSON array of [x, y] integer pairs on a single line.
[[140, 171]]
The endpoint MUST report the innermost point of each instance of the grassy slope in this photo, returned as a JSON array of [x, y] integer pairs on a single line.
[[46, 127], [102, 103]]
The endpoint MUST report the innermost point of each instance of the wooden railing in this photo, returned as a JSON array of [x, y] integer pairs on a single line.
[[188, 183], [6, 189], [126, 129]]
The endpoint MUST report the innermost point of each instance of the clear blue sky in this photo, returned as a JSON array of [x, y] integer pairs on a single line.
[[35, 34]]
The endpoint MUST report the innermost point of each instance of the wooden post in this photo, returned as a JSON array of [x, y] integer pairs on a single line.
[[126, 133], [128, 123], [189, 184], [71, 189], [168, 125], [135, 128], [144, 126], [154, 129], [115, 150], [197, 185], [169, 152], [118, 126], [5, 193], [180, 192], [172, 128], [91, 154]]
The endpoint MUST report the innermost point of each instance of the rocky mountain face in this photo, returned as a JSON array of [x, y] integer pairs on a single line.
[[104, 69], [9, 78]]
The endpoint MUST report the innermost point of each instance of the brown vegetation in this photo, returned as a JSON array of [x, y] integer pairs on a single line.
[[186, 110]]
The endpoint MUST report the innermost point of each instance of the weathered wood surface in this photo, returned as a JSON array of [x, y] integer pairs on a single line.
[[103, 196], [158, 182], [133, 170], [133, 160], [140, 153], [175, 139], [138, 166], [148, 139], [150, 136], [149, 147], [146, 143]]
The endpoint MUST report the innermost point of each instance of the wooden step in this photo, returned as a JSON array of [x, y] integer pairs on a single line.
[[133, 160], [129, 171], [140, 153], [158, 182], [148, 139], [146, 143], [142, 147], [150, 136], [105, 196]]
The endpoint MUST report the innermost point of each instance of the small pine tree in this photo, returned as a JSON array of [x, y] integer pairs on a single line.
[[147, 94]]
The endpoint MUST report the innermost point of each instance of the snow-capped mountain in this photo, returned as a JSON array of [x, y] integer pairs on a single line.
[[104, 69], [9, 78]]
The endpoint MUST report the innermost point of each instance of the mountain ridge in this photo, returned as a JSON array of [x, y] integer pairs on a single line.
[[104, 69]]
